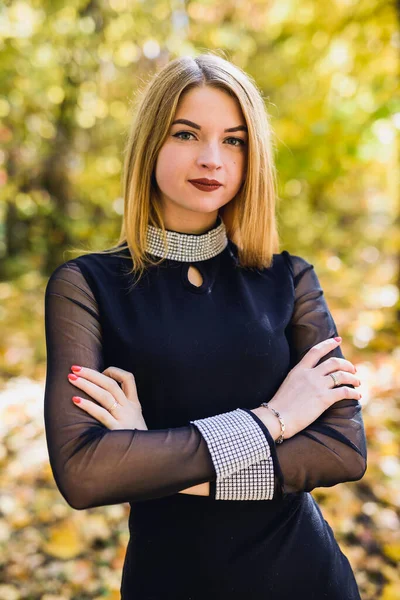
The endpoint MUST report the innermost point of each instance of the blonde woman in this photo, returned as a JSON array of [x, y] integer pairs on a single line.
[[194, 371]]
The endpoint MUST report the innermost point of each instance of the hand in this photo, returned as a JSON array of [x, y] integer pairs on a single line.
[[103, 387], [308, 391]]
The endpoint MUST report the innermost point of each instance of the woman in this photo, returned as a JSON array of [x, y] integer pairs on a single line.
[[208, 388]]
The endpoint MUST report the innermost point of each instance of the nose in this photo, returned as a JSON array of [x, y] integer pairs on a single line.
[[210, 157]]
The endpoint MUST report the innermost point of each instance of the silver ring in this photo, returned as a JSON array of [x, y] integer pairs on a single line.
[[335, 381], [113, 406]]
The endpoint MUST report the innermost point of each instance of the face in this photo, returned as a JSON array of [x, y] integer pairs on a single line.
[[201, 149]]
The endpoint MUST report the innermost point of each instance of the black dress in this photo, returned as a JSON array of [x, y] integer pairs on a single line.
[[197, 352]]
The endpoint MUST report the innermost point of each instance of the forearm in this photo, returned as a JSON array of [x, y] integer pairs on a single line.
[[102, 468], [329, 451]]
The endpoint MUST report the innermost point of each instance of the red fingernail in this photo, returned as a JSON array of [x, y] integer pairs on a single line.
[[76, 399], [338, 338], [76, 368], [72, 377]]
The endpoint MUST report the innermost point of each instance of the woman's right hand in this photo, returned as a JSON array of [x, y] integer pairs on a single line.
[[308, 390]]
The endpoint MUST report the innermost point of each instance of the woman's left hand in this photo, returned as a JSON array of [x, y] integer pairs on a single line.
[[119, 406]]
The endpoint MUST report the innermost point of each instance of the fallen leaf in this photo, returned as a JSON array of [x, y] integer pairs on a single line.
[[64, 541]]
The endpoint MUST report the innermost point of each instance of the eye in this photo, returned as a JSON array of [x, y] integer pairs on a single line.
[[177, 135], [241, 142]]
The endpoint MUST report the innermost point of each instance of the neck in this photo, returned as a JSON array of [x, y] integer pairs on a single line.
[[196, 226]]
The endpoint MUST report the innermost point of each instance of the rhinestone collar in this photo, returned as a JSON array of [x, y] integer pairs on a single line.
[[187, 247]]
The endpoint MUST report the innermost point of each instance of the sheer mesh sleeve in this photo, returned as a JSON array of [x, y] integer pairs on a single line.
[[333, 448], [94, 466]]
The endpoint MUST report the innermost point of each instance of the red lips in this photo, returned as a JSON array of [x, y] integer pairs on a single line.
[[205, 181], [205, 187]]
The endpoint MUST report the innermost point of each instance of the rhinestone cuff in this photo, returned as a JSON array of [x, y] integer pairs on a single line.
[[241, 456], [256, 482]]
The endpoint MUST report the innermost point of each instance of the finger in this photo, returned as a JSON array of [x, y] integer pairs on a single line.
[[95, 384], [100, 414], [341, 378], [311, 358], [104, 397], [335, 363], [126, 379], [343, 393]]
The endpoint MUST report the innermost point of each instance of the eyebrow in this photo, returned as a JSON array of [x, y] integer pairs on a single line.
[[195, 126]]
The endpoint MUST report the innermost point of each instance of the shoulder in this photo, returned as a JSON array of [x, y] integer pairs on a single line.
[[295, 263], [79, 270], [69, 280], [95, 263], [67, 271]]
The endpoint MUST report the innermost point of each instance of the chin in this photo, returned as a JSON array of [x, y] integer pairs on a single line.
[[202, 206]]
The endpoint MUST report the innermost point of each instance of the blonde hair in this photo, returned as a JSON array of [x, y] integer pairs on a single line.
[[249, 217]]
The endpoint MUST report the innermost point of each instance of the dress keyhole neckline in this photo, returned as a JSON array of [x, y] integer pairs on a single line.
[[198, 281], [194, 276]]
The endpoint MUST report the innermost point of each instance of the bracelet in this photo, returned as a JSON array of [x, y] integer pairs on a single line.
[[280, 438]]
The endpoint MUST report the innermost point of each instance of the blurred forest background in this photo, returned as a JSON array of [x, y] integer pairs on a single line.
[[329, 72]]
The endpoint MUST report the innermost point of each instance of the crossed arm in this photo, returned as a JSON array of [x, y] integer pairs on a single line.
[[93, 466]]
